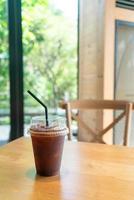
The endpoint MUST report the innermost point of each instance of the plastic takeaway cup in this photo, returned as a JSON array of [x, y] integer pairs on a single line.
[[47, 142]]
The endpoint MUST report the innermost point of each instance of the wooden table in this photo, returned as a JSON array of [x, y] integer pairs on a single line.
[[89, 172]]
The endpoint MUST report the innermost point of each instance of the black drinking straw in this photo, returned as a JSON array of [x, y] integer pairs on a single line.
[[46, 110]]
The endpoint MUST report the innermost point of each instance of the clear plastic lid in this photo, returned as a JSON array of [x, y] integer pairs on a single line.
[[56, 125]]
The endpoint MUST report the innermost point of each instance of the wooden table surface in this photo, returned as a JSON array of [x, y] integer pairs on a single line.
[[89, 172]]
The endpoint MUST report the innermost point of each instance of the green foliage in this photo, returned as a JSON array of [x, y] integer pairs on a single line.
[[49, 45], [4, 74], [50, 57]]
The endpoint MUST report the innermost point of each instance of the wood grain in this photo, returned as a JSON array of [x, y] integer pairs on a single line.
[[89, 171]]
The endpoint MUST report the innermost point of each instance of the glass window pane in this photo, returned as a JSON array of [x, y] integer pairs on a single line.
[[50, 53], [4, 75], [124, 71]]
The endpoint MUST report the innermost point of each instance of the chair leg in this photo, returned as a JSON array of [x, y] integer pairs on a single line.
[[128, 119]]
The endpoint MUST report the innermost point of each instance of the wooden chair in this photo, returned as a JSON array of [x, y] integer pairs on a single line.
[[124, 106]]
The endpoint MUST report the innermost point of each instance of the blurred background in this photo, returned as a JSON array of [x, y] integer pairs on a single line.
[[49, 41]]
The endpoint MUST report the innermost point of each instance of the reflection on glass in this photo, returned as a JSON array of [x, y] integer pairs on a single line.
[[125, 63], [50, 53], [4, 75], [124, 72]]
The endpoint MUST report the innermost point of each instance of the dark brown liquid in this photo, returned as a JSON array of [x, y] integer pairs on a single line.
[[47, 153]]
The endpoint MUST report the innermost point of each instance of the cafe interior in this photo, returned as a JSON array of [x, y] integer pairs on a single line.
[[66, 99]]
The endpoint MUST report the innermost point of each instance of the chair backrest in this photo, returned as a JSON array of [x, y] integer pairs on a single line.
[[124, 106]]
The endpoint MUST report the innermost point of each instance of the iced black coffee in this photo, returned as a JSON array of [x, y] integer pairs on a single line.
[[48, 144]]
